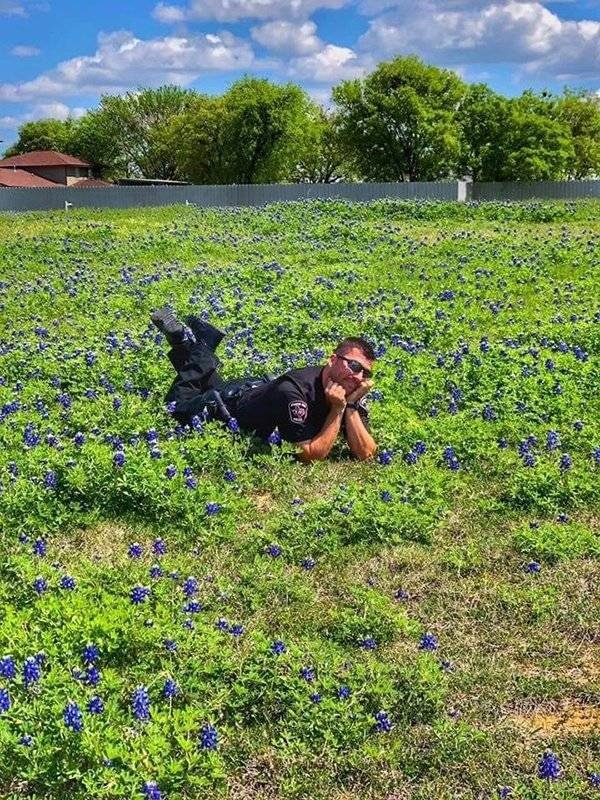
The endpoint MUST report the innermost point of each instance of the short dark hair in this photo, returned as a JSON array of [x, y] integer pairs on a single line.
[[356, 341]]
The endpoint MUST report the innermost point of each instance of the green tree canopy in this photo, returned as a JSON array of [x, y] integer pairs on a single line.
[[322, 156], [400, 121], [43, 134], [580, 113]]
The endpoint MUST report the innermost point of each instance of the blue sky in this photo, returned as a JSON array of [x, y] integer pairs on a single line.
[[58, 56]]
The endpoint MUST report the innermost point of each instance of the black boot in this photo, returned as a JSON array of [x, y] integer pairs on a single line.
[[204, 331], [167, 323]]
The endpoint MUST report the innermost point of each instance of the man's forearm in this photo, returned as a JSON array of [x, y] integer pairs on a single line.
[[320, 447], [359, 439]]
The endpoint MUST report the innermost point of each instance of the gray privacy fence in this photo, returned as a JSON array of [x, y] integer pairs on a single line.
[[538, 190], [43, 199], [247, 195]]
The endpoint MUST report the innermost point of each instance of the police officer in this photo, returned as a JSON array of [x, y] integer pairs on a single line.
[[309, 406]]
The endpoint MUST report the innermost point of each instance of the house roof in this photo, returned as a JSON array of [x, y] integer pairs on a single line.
[[20, 177], [43, 158], [90, 183]]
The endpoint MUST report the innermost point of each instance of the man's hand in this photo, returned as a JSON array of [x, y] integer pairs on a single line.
[[335, 395], [359, 392]]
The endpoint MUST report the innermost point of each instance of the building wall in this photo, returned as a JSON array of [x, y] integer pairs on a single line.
[[65, 175]]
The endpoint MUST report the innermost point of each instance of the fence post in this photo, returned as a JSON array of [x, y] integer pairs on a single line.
[[464, 191]]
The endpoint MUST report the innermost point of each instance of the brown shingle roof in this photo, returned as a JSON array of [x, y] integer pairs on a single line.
[[20, 177], [43, 158], [90, 183]]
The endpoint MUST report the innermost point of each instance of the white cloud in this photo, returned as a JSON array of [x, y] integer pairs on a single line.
[[449, 32], [53, 110], [234, 10], [24, 51], [123, 61], [292, 38], [329, 65], [168, 14], [12, 9]]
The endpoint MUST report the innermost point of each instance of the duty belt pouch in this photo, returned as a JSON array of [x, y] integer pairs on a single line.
[[235, 389]]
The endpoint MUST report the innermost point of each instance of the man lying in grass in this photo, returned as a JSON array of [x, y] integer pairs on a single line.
[[308, 406]]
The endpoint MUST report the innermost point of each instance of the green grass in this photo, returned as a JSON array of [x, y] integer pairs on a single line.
[[517, 668]]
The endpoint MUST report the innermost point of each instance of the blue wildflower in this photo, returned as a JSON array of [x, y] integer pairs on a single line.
[[274, 438], [278, 647], [566, 462], [190, 586], [119, 459], [156, 572], [594, 780], [315, 698], [307, 674], [308, 563], [170, 645], [135, 550], [39, 547], [385, 457], [140, 704], [8, 668], [139, 594], [222, 624], [191, 482], [383, 724], [273, 550], [159, 547], [428, 642], [212, 509], [26, 740], [40, 585], [236, 630], [533, 567], [90, 654], [4, 700], [208, 737], [170, 689], [151, 791], [68, 583], [93, 676], [343, 692], [95, 705], [549, 767], [73, 717], [368, 643]]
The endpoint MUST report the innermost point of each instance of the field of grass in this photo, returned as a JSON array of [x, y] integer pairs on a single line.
[[189, 613]]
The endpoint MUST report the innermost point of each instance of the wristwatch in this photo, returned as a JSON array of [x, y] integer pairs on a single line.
[[352, 405]]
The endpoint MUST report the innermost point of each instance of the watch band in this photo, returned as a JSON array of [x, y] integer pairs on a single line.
[[352, 405]]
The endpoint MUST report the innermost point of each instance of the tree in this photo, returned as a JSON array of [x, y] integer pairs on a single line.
[[198, 138], [139, 123], [483, 117], [43, 134], [322, 158], [400, 121], [580, 112], [264, 124]]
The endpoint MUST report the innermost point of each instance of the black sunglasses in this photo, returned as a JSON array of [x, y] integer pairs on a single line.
[[357, 367]]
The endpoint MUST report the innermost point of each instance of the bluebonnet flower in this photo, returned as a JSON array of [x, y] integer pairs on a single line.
[[119, 459], [278, 647], [533, 567], [171, 471], [552, 440], [488, 414], [151, 791], [343, 692], [135, 550], [385, 457], [64, 399], [95, 705], [504, 792], [229, 475], [155, 453], [193, 607], [171, 407], [170, 689], [308, 563], [140, 703], [274, 438], [159, 547], [578, 425], [50, 479], [236, 630], [410, 458], [566, 462], [212, 509], [549, 767], [8, 668], [93, 676], [594, 780], [562, 517], [90, 654], [26, 740], [117, 403], [273, 550], [4, 700], [191, 482], [156, 572], [401, 594], [233, 425], [170, 645], [529, 460], [187, 471], [73, 717], [68, 583], [208, 737], [197, 424], [315, 698], [39, 547], [222, 624], [428, 642], [190, 586], [383, 724], [368, 643], [188, 624], [139, 594], [79, 439], [31, 437], [307, 674], [40, 585]]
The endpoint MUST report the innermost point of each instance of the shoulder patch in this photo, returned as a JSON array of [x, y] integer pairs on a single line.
[[298, 411]]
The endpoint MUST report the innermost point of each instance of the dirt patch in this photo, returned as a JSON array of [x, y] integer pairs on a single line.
[[263, 502], [105, 543], [568, 720]]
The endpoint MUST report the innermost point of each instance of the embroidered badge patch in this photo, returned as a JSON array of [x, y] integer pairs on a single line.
[[298, 411]]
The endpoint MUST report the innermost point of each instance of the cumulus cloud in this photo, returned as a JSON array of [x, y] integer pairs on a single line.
[[288, 37], [24, 51], [20, 8], [53, 110], [329, 65], [449, 32], [234, 10], [123, 61]]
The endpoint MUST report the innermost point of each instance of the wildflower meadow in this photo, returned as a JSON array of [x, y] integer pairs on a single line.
[[188, 612]]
